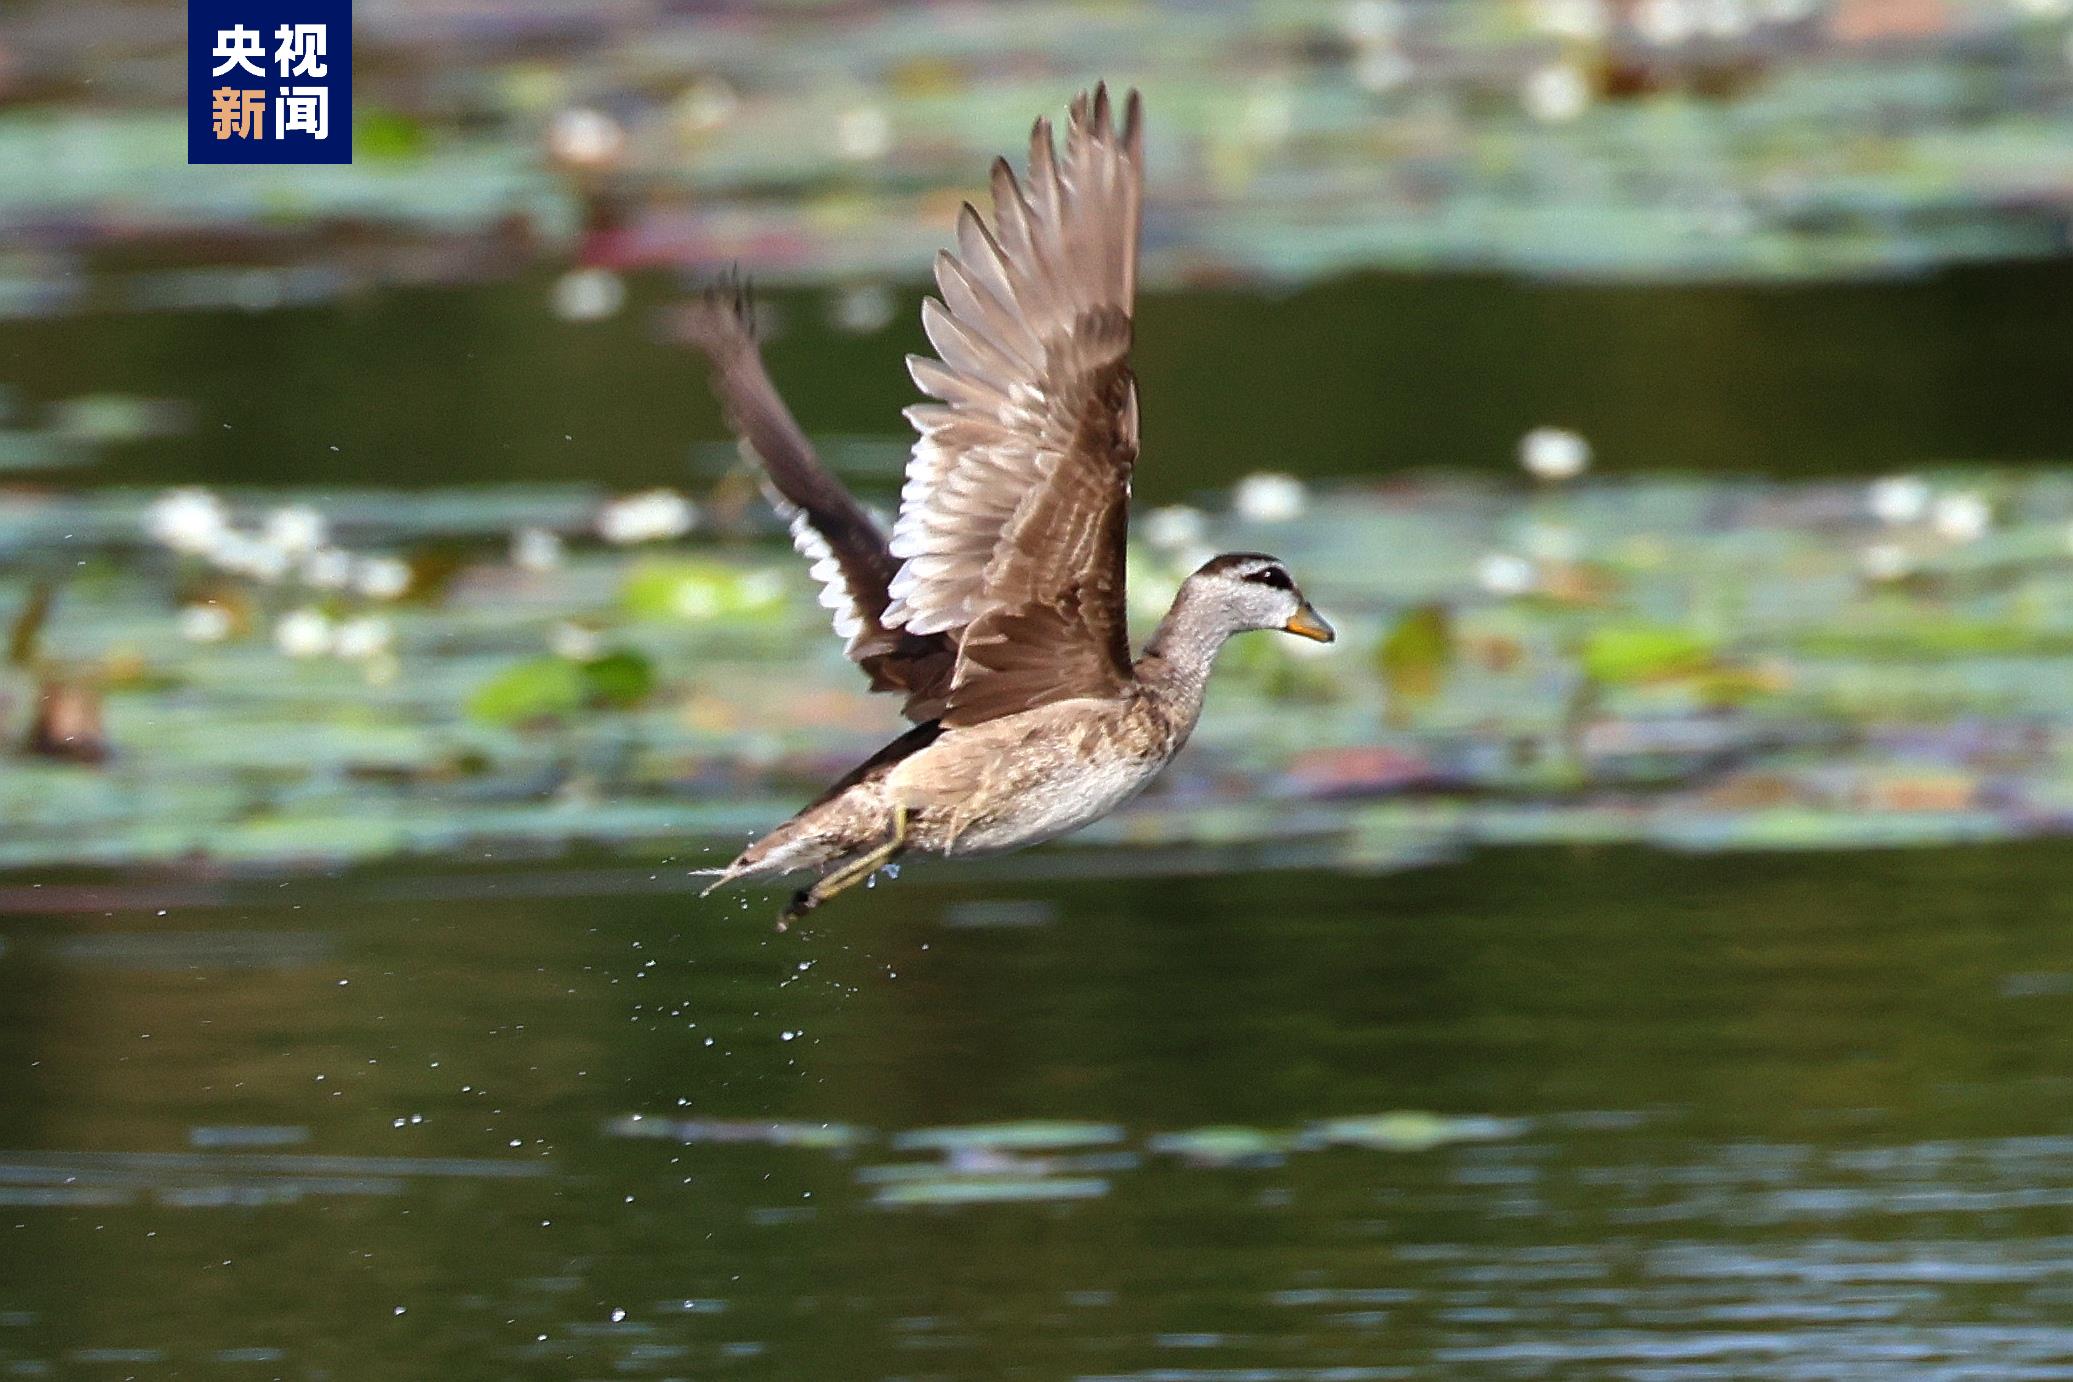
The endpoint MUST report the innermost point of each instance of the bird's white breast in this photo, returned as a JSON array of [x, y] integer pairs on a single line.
[[1059, 803], [1028, 777]]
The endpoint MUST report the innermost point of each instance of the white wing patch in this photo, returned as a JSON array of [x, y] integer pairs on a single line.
[[835, 592]]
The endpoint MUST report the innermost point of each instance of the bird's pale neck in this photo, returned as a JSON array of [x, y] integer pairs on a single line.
[[1176, 661]]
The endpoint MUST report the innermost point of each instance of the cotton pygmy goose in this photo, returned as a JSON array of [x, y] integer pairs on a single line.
[[996, 606]]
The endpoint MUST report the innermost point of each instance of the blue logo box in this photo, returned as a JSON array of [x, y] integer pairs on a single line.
[[269, 81]]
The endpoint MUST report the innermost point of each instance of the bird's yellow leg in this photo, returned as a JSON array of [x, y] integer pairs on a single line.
[[849, 875]]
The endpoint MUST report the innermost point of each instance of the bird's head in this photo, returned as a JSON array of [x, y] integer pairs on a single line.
[[1254, 591]]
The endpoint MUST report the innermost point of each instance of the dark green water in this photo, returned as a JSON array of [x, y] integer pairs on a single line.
[[482, 384], [1789, 1117]]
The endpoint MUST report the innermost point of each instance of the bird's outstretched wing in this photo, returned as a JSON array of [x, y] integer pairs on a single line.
[[1015, 511], [829, 527]]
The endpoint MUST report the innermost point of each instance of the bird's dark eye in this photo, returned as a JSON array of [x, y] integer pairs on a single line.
[[1272, 576]]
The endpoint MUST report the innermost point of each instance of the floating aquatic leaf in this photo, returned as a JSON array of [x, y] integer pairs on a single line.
[[1863, 715], [1414, 660], [41, 451], [1278, 670], [251, 1135], [1618, 653], [383, 135], [542, 688], [1223, 1146], [961, 1190], [1411, 1131], [688, 588], [101, 419], [549, 688], [25, 634], [619, 679], [1028, 1136]]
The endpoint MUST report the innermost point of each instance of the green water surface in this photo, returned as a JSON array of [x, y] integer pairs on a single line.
[[1614, 1114], [1350, 377]]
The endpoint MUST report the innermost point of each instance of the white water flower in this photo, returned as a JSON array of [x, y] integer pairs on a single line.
[[1584, 20], [1269, 497], [650, 516], [695, 600], [328, 568], [242, 554], [863, 308], [1962, 517], [1899, 499], [1555, 94], [709, 104], [1665, 23], [762, 587], [296, 530], [1174, 527], [588, 295], [187, 520], [585, 137], [536, 549], [304, 633], [366, 636], [381, 578], [204, 623], [1554, 453], [1503, 573], [863, 133], [576, 642]]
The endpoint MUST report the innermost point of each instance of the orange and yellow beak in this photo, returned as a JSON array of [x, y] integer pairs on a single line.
[[1307, 624]]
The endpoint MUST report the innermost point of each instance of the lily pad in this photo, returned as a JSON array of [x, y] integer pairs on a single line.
[[962, 1190], [1223, 1146], [1411, 1131], [543, 688], [1030, 1136], [688, 588], [1620, 653]]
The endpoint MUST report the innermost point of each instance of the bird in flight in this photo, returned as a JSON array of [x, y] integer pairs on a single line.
[[996, 606]]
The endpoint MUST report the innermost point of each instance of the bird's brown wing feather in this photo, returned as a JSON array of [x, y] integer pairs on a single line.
[[829, 527], [1015, 511]]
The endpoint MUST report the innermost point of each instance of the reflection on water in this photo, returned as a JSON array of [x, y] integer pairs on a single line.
[[1584, 1113]]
